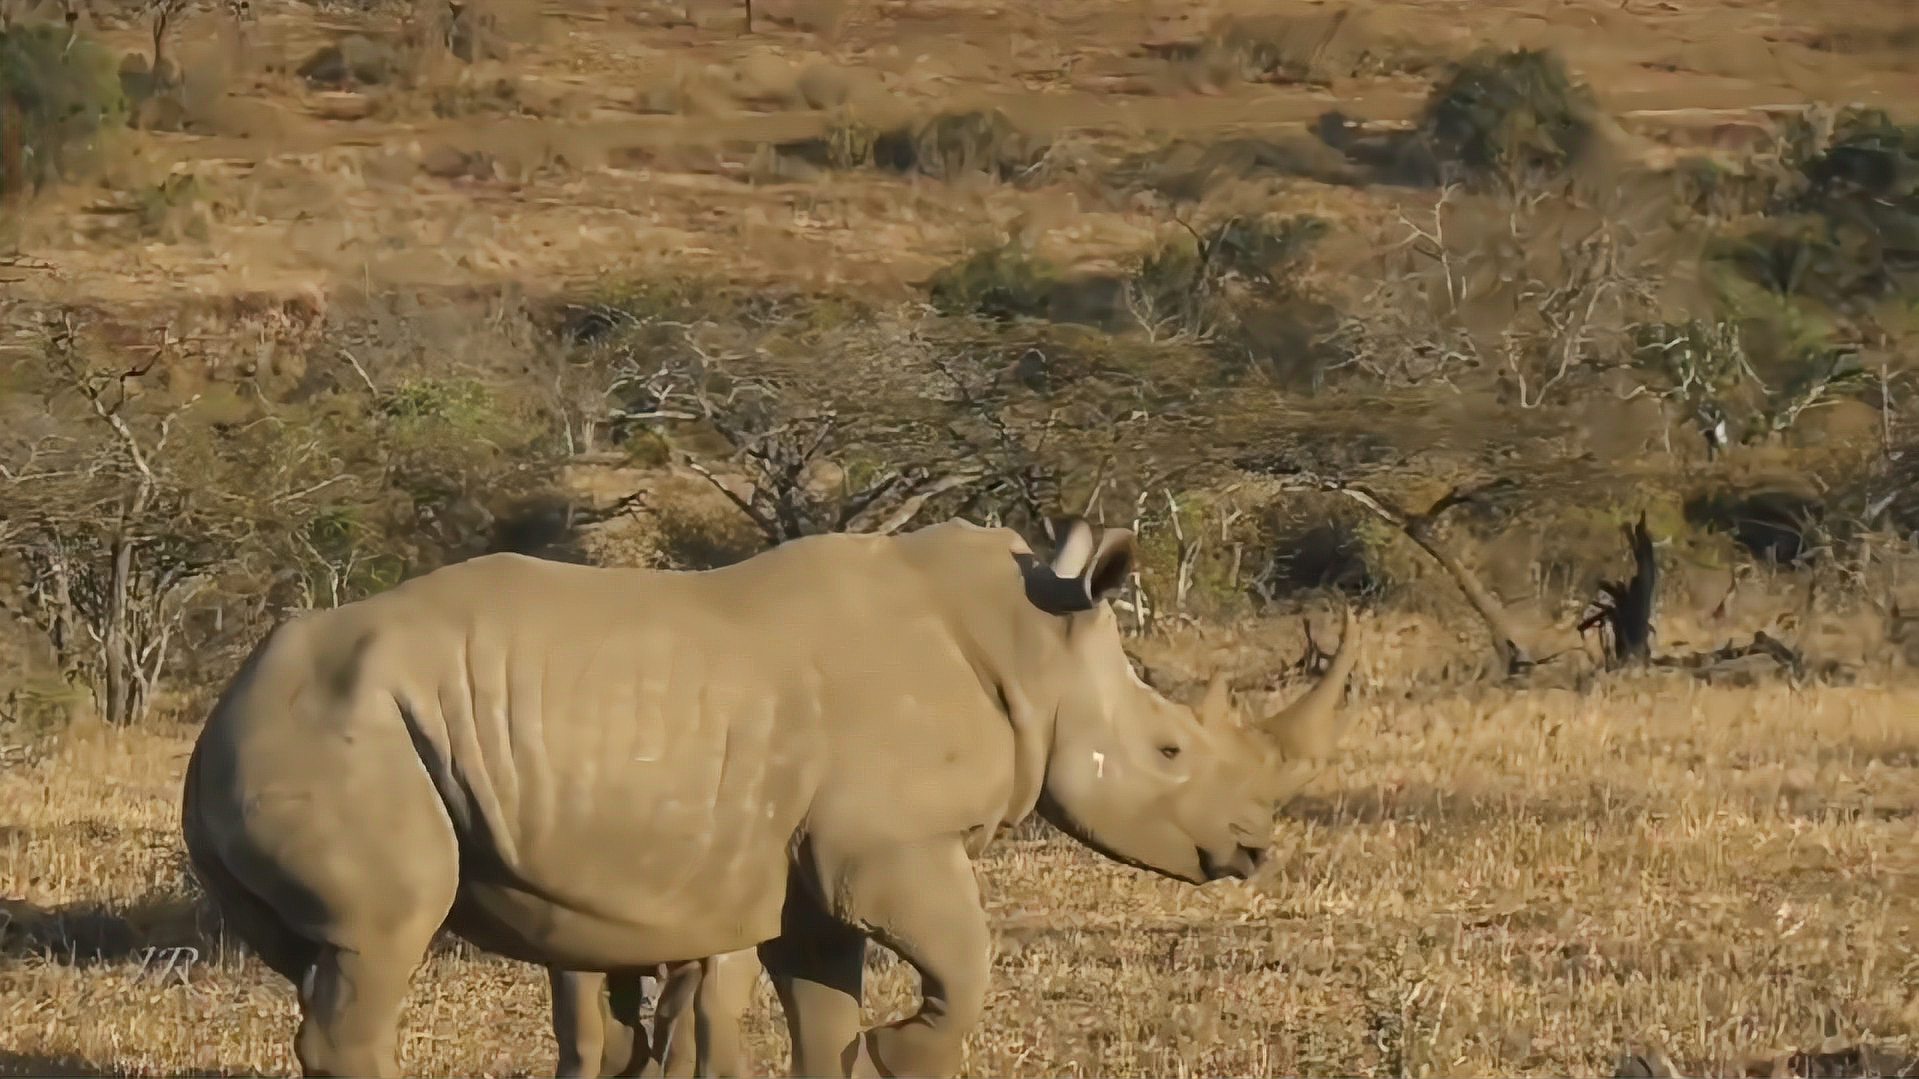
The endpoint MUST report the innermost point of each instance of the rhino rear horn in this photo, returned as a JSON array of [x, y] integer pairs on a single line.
[[1216, 704]]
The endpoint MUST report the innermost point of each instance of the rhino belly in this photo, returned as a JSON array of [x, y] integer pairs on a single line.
[[627, 874], [510, 921]]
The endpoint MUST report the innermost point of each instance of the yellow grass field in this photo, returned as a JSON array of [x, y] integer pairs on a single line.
[[1490, 884]]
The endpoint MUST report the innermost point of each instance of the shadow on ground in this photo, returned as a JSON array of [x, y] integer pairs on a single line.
[[93, 934], [24, 1064]]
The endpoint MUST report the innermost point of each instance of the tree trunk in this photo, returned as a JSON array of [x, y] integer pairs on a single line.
[[13, 178], [65, 648], [115, 639], [1628, 610], [1419, 528]]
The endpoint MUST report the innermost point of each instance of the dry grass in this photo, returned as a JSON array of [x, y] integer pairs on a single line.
[[1493, 883]]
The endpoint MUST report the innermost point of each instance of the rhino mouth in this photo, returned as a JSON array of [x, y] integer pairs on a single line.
[[1241, 864]]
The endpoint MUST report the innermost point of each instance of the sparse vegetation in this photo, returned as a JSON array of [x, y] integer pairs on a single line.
[[1841, 226], [357, 326], [945, 145], [998, 282]]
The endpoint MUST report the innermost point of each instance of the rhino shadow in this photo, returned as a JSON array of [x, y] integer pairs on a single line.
[[89, 934], [35, 1064]]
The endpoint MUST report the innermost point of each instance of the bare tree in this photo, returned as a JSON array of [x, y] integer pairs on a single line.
[[1528, 285], [162, 15], [794, 485], [116, 525], [1422, 529]]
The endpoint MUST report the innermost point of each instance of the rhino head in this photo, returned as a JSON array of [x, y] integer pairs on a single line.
[[1187, 792]]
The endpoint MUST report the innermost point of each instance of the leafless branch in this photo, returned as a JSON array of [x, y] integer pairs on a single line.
[[1422, 529]]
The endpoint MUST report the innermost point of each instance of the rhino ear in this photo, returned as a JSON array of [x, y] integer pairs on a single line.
[[1111, 563], [1104, 573], [1072, 539]]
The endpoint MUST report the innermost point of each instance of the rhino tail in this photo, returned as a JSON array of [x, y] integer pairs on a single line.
[[242, 912]]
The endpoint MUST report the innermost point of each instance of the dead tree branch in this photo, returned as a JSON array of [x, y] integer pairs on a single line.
[[1628, 607], [1422, 529]]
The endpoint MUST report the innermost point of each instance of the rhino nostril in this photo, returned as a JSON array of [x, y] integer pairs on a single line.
[[1254, 857]]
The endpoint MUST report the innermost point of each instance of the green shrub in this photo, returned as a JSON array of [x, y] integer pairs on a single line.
[[1236, 286], [1513, 117], [1708, 188], [1775, 525], [1841, 223], [1864, 188], [168, 209], [1001, 282], [1187, 169], [946, 146], [63, 98], [958, 143]]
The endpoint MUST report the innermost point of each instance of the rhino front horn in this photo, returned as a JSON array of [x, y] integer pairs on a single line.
[[1309, 727]]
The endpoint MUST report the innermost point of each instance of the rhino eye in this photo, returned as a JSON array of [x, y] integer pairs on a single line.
[[1169, 752]]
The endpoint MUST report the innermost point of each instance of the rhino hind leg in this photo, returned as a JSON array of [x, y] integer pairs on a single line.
[[584, 1025], [248, 916], [627, 1049], [675, 1039], [350, 1009]]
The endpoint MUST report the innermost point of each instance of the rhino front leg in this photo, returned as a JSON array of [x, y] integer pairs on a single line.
[[923, 902], [726, 991], [816, 965]]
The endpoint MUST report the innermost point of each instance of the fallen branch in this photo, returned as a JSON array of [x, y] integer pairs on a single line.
[[1763, 644], [1421, 528]]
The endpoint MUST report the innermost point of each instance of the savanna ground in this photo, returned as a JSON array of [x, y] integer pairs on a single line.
[[348, 290]]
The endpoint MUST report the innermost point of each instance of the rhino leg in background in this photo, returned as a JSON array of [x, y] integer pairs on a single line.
[[697, 1022], [675, 1023], [725, 992], [596, 1023], [628, 1050], [817, 964]]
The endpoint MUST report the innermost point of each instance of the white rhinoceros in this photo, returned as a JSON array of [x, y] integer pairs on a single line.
[[606, 769]]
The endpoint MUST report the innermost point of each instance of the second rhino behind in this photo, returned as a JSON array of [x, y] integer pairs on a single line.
[[696, 1021]]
